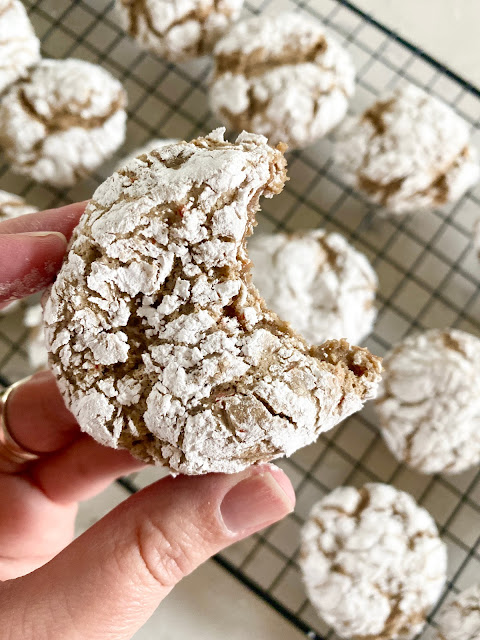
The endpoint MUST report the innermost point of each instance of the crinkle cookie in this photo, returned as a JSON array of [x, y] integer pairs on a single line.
[[12, 206], [372, 562], [176, 30], [19, 46], [62, 121], [408, 151], [317, 282], [460, 620], [282, 76], [36, 350], [146, 148], [429, 405], [158, 340]]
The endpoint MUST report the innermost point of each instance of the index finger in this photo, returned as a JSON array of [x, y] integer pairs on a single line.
[[64, 220]]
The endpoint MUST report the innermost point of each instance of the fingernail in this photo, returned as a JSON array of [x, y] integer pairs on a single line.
[[257, 501], [42, 234]]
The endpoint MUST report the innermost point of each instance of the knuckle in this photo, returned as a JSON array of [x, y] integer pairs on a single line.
[[164, 560]]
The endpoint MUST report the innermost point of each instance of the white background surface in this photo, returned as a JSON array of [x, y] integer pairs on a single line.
[[445, 29]]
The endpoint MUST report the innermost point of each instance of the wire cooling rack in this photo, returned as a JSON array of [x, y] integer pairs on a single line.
[[428, 271]]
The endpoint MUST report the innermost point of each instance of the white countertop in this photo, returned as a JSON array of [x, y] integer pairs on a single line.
[[445, 29]]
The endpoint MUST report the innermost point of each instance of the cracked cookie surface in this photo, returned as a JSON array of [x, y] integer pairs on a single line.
[[460, 619], [12, 206], [62, 121], [178, 31], [159, 341], [282, 76], [317, 282], [19, 46], [428, 404], [372, 562], [146, 148], [408, 151]]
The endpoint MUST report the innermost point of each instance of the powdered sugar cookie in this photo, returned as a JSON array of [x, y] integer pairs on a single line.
[[460, 620], [19, 46], [146, 148], [158, 340], [36, 350], [408, 151], [12, 206], [372, 562], [178, 30], [317, 282], [282, 76], [428, 405], [62, 121]]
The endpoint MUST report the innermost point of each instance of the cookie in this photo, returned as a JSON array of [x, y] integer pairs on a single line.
[[176, 30], [460, 620], [317, 282], [282, 76], [35, 344], [428, 405], [146, 148], [158, 340], [372, 562], [62, 121], [19, 46], [12, 206], [408, 151]]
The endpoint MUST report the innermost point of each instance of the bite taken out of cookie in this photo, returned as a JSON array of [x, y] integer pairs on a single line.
[[158, 339]]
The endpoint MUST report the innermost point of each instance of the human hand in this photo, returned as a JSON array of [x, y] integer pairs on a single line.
[[108, 581]]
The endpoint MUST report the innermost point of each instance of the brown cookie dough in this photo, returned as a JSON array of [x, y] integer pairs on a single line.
[[159, 341]]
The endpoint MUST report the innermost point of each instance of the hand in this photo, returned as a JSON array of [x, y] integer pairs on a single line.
[[106, 583]]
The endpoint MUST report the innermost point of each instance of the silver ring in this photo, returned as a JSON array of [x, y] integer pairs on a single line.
[[11, 452]]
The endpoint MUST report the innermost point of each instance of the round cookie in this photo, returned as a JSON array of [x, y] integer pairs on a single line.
[[12, 206], [372, 562], [35, 345], [176, 30], [460, 620], [317, 282], [408, 151], [428, 404], [281, 76], [146, 148], [19, 46], [62, 121], [158, 340]]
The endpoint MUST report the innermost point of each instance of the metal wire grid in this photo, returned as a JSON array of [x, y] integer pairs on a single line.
[[427, 269]]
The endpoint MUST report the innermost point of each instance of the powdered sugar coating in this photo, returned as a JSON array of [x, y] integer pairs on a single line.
[[282, 76], [408, 151], [19, 46], [35, 345], [317, 282], [460, 620], [62, 121], [158, 341], [176, 30], [429, 405], [12, 206], [146, 148], [372, 562]]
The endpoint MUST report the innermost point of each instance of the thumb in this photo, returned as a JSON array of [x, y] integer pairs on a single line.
[[109, 581]]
